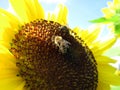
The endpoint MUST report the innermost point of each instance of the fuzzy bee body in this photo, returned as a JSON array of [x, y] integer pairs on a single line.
[[61, 43]]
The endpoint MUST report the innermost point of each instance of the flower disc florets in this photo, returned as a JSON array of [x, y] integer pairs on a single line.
[[50, 57]]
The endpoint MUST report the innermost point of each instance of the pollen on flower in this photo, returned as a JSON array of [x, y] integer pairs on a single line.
[[50, 58]]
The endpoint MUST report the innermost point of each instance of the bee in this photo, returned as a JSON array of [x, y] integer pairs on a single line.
[[61, 43], [64, 29]]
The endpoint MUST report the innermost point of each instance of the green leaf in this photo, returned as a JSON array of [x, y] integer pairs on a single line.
[[98, 20], [114, 18], [117, 28]]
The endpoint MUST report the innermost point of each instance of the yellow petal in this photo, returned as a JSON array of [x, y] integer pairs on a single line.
[[8, 70], [116, 3], [51, 17], [90, 35], [81, 33], [21, 86], [103, 86], [7, 62], [106, 75], [117, 72], [108, 13], [8, 18], [10, 83], [20, 9], [101, 60], [8, 25], [25, 11], [5, 51], [99, 48], [4, 38], [60, 15], [35, 9], [39, 10]]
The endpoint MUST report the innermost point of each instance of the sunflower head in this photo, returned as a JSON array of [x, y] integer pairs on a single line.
[[49, 57]]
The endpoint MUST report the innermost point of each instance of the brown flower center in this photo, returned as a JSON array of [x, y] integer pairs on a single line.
[[49, 57]]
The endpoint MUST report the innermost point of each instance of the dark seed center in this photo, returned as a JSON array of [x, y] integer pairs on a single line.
[[50, 58]]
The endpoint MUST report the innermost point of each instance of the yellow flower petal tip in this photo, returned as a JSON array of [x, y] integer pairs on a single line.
[[59, 15], [117, 72]]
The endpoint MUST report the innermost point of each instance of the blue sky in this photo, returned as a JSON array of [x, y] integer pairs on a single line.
[[80, 11]]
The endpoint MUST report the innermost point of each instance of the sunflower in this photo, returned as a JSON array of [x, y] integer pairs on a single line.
[[38, 53], [111, 17], [112, 9]]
